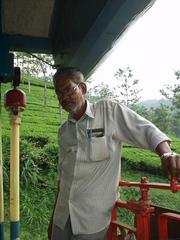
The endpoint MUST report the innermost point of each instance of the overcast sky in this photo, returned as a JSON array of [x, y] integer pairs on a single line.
[[150, 47]]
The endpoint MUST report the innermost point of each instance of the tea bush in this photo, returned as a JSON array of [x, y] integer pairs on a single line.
[[38, 161]]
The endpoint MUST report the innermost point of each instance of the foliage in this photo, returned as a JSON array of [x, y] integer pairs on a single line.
[[37, 120], [26, 62], [175, 126], [172, 92], [141, 160], [101, 92], [128, 87], [42, 67], [35, 65], [142, 110], [164, 198], [35, 81], [161, 117], [145, 160], [38, 160]]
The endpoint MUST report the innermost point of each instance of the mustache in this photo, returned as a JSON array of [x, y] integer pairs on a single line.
[[64, 104]]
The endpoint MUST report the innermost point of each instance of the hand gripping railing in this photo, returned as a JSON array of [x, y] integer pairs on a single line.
[[142, 210]]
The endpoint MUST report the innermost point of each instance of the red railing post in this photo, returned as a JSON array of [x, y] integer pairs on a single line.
[[142, 210], [112, 228], [163, 224], [142, 226]]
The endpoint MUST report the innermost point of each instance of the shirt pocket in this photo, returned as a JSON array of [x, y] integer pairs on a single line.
[[98, 149]]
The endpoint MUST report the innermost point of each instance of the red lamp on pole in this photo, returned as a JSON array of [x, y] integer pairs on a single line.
[[15, 99]]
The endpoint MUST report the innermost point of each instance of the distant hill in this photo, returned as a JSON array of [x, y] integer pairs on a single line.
[[154, 103]]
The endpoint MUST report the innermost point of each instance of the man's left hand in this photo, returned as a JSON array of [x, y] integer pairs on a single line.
[[171, 166]]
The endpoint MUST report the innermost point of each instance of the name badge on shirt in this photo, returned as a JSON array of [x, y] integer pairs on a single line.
[[95, 132]]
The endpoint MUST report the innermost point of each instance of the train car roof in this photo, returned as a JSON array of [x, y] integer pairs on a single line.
[[77, 32]]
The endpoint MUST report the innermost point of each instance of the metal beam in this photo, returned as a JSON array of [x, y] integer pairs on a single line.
[[18, 42], [56, 24]]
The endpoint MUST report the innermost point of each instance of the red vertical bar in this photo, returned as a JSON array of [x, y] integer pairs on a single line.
[[142, 226], [114, 214], [163, 224], [163, 227], [110, 232], [112, 228]]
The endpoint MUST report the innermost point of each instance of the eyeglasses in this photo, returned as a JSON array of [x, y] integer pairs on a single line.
[[67, 91]]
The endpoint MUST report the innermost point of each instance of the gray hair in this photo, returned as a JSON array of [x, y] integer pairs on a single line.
[[74, 73]]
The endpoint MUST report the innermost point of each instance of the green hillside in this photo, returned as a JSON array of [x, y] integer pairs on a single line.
[[38, 159]]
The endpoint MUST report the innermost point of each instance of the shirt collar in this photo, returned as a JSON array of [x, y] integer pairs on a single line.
[[88, 112]]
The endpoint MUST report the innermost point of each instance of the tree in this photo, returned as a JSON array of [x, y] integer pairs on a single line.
[[175, 126], [100, 92], [35, 65], [28, 66], [172, 92], [143, 111], [128, 87], [45, 69], [162, 118]]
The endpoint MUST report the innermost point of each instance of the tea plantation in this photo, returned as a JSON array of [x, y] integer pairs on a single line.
[[38, 159]]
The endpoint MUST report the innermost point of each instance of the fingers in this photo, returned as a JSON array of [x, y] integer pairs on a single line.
[[171, 166], [165, 167], [178, 168]]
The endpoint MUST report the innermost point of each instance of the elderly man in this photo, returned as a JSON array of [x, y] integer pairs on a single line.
[[90, 144]]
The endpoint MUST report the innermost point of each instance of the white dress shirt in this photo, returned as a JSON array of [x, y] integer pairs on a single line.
[[90, 162]]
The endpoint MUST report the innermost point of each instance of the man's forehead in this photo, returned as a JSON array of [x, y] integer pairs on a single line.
[[65, 81]]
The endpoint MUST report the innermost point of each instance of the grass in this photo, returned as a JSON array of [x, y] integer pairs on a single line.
[[38, 165], [38, 160], [146, 160], [36, 206], [36, 118]]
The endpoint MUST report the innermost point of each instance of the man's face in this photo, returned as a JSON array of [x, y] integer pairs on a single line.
[[70, 94]]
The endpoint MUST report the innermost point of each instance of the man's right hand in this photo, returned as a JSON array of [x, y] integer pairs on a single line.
[[50, 229], [51, 220]]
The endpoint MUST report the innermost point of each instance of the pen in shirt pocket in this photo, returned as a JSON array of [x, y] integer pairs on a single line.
[[89, 133]]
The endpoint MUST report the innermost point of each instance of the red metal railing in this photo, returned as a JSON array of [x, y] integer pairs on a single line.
[[163, 224], [142, 210]]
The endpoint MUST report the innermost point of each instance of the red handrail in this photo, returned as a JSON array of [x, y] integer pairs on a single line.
[[142, 210], [173, 186]]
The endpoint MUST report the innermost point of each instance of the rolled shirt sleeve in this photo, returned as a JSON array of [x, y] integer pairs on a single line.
[[134, 129]]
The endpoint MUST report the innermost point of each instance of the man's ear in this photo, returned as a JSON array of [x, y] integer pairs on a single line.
[[83, 88]]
